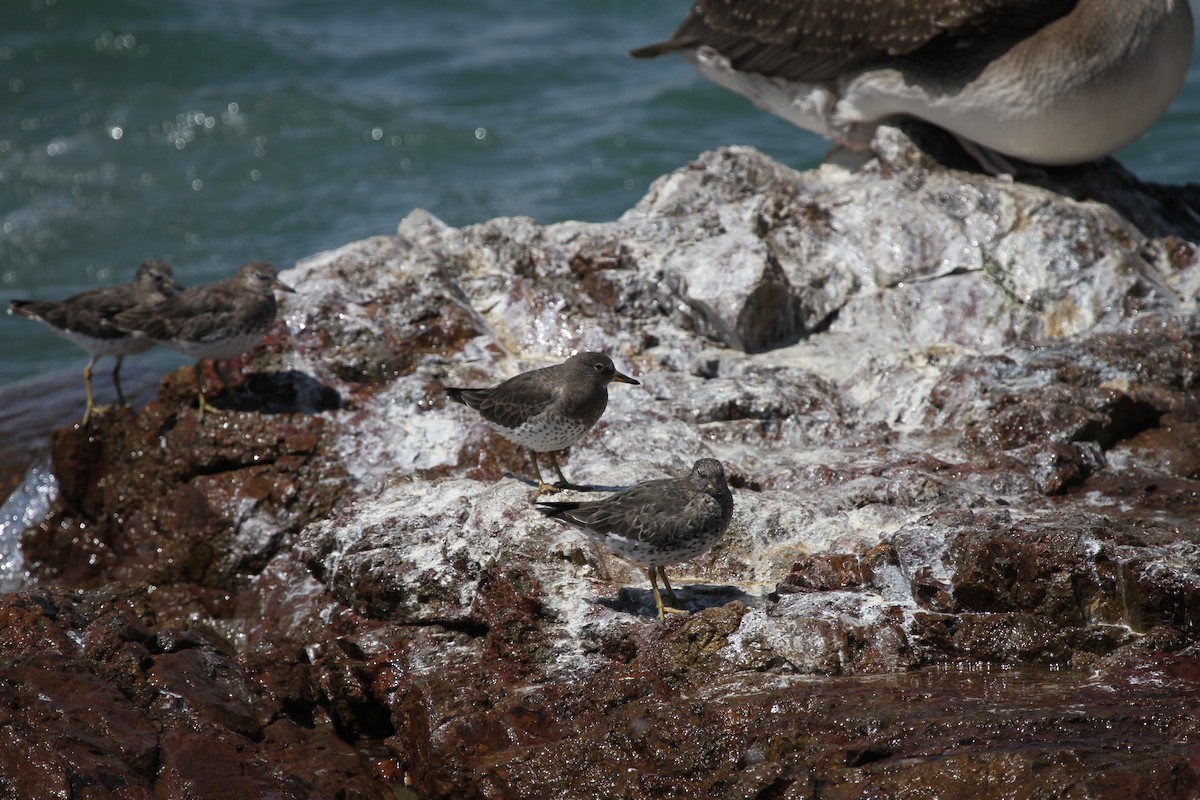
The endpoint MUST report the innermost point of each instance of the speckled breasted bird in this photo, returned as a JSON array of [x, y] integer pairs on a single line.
[[548, 409], [656, 523]]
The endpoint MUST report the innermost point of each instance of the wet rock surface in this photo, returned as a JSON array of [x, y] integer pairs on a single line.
[[961, 423]]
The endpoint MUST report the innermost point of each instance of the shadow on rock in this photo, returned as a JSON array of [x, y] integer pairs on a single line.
[[579, 487], [287, 392], [692, 598]]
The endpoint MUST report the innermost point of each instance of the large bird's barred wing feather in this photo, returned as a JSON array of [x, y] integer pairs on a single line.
[[816, 40]]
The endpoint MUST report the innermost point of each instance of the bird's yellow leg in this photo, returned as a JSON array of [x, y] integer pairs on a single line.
[[202, 402], [87, 388], [116, 379], [663, 609], [662, 571], [563, 483], [542, 487]]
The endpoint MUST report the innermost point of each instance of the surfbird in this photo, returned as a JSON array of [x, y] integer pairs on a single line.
[[1044, 81], [656, 523], [545, 410], [217, 320], [87, 320]]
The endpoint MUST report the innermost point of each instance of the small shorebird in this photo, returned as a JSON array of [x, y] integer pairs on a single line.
[[547, 409], [87, 320], [656, 523], [217, 320], [1045, 81]]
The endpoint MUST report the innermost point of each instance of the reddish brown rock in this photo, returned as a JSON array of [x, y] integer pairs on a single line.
[[823, 572]]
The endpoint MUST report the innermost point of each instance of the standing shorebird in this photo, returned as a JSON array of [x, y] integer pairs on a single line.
[[1045, 81], [87, 320], [548, 409], [218, 320], [656, 523]]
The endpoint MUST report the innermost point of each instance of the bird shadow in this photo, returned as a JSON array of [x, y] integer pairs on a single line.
[[692, 597], [573, 488], [287, 392], [1158, 210], [596, 487]]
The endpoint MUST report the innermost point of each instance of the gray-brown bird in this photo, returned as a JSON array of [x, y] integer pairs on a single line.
[[1046, 81], [548, 409], [217, 320], [88, 320], [656, 523]]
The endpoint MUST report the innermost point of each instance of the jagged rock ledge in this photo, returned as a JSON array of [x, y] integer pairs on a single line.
[[959, 414]]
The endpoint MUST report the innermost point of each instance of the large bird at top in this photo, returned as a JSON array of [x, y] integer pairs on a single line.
[[1044, 81]]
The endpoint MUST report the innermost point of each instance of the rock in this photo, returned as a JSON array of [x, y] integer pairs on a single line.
[[958, 414]]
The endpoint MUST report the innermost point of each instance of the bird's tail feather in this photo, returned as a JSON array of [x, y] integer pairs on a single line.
[[556, 509]]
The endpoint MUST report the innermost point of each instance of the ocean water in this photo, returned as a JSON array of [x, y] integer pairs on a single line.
[[209, 133]]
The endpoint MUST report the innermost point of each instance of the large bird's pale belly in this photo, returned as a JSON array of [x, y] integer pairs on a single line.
[[1032, 116]]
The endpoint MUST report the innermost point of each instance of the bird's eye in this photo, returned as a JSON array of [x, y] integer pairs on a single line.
[[599, 366]]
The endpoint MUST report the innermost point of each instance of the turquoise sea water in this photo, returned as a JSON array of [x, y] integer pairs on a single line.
[[212, 132]]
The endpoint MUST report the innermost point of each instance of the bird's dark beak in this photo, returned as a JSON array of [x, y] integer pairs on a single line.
[[283, 286], [619, 377]]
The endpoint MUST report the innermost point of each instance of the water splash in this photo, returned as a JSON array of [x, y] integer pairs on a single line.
[[25, 507]]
